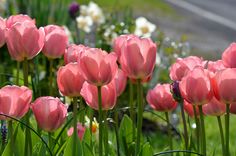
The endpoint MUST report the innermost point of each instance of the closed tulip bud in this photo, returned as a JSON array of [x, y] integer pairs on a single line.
[[160, 98], [24, 40], [224, 84], [214, 108], [73, 53], [120, 81], [98, 67], [56, 41], [18, 19], [2, 31], [109, 96], [138, 57], [181, 67], [14, 101], [70, 80], [80, 131], [74, 9], [188, 107], [50, 113], [229, 55], [195, 87], [174, 88]]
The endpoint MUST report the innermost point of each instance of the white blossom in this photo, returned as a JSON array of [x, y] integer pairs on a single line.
[[84, 23], [144, 28]]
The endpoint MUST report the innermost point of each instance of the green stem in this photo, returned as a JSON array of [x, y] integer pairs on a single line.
[[131, 110], [100, 119], [106, 146], [202, 131], [11, 136], [17, 73], [50, 141], [227, 118], [51, 76], [169, 131], [91, 126], [82, 114], [197, 128], [221, 135], [75, 135], [140, 116], [116, 116], [185, 126], [28, 141]]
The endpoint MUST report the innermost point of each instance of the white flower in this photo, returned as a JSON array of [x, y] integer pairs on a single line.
[[84, 23], [144, 28], [68, 33]]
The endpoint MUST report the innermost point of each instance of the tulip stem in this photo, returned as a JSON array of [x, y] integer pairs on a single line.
[[51, 76], [140, 116], [221, 135], [106, 146], [17, 72], [91, 125], [75, 138], [11, 136], [227, 118], [131, 110], [28, 141], [100, 119], [197, 127], [169, 130], [202, 131], [50, 141], [185, 126], [82, 114], [116, 116]]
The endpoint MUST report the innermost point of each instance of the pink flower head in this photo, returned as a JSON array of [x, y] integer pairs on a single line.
[[109, 96], [214, 108], [70, 80], [229, 55], [2, 31], [14, 101], [224, 84], [215, 66], [80, 131], [50, 113], [73, 53], [120, 81], [24, 40], [188, 107], [56, 41], [233, 108], [138, 57], [195, 87], [18, 19], [182, 65], [160, 98], [98, 67]]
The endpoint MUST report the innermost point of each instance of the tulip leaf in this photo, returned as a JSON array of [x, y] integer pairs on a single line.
[[69, 147], [146, 150]]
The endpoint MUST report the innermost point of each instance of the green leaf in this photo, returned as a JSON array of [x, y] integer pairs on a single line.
[[146, 150], [69, 147]]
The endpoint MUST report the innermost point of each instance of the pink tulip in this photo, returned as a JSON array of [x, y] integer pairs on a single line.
[[109, 96], [182, 65], [70, 80], [188, 107], [14, 101], [73, 53], [160, 98], [138, 57], [2, 31], [56, 41], [98, 67], [50, 113], [80, 130], [18, 19], [215, 66], [229, 55], [24, 40], [214, 108], [224, 84], [119, 41], [233, 108], [120, 81], [195, 87]]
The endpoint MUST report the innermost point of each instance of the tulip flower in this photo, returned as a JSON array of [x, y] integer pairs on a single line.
[[228, 56], [80, 131], [181, 67], [138, 57], [18, 19], [98, 67], [50, 113], [160, 98], [55, 42], [233, 108], [90, 94], [215, 66], [14, 101], [214, 108], [70, 80], [24, 40], [195, 87], [188, 107], [73, 53], [2, 31], [120, 81], [73, 9]]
